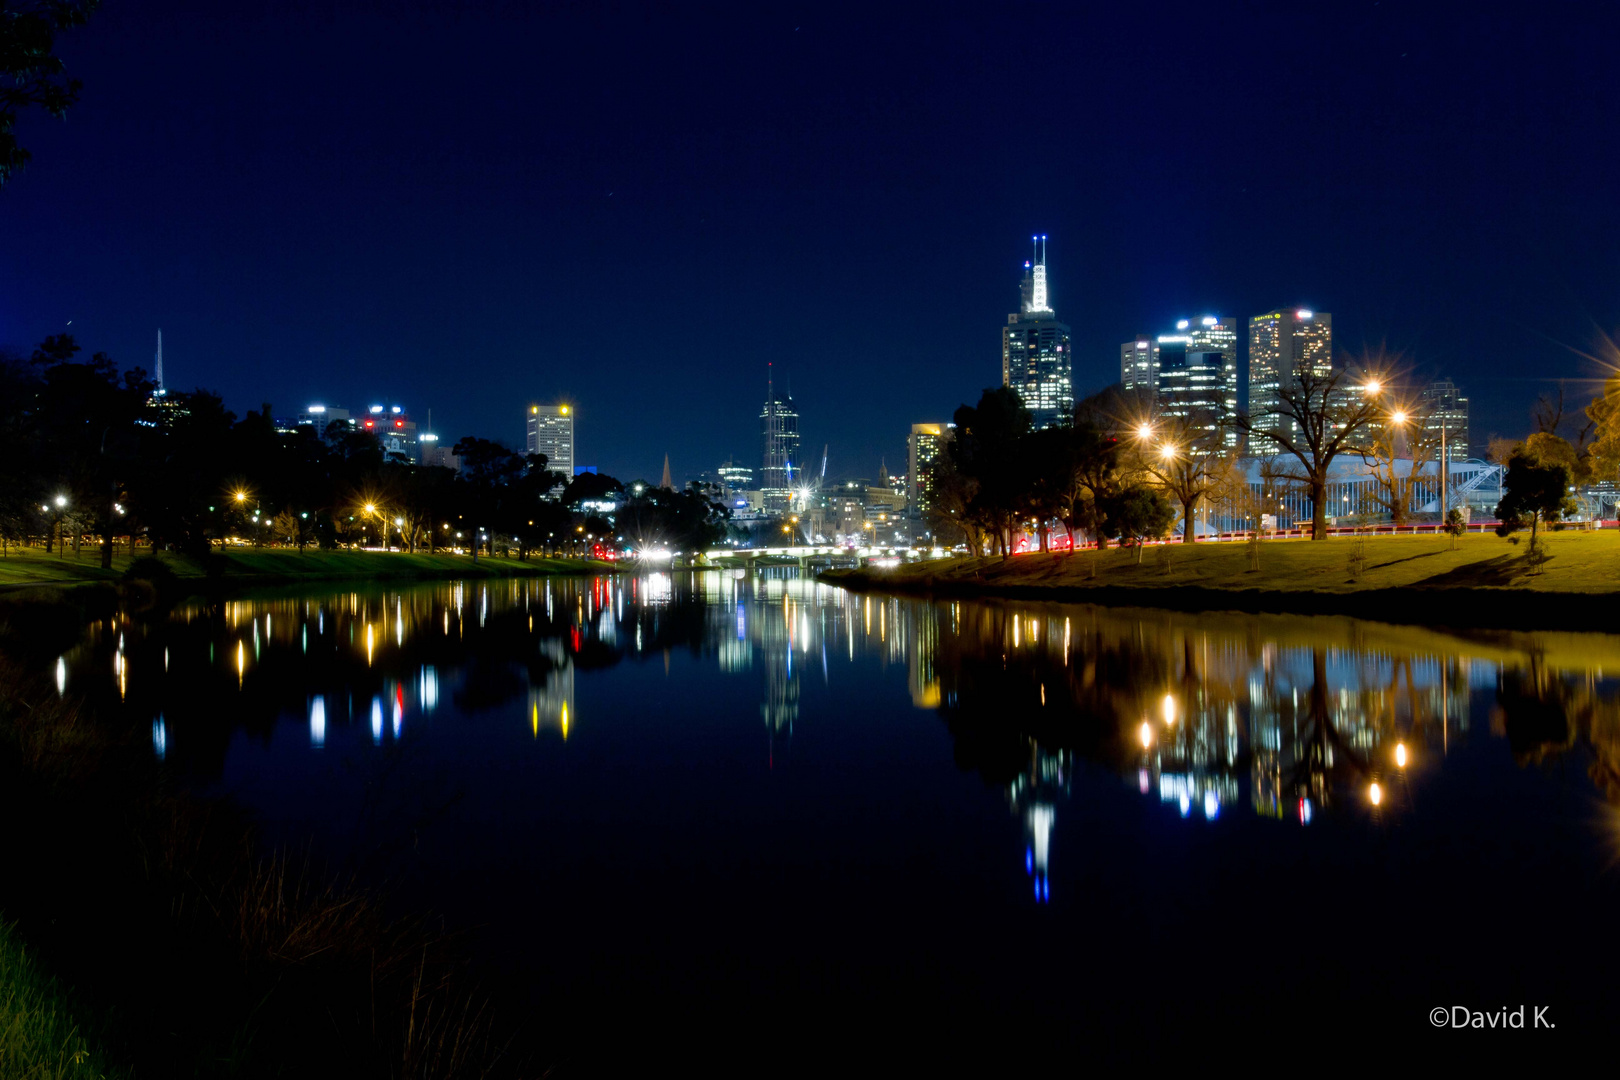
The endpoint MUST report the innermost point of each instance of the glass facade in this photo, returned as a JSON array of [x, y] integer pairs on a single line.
[[779, 436], [1283, 344]]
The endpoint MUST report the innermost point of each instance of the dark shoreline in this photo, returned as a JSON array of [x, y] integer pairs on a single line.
[[1441, 609]]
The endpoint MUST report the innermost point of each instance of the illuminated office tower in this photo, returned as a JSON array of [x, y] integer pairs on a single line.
[[1445, 407], [1282, 345], [1197, 373], [1035, 357], [779, 444], [1139, 364], [927, 443], [551, 432]]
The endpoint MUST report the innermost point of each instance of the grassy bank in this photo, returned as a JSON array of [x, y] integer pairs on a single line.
[[39, 1035], [1485, 581], [31, 566]]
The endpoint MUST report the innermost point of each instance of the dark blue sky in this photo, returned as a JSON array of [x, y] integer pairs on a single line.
[[467, 206]]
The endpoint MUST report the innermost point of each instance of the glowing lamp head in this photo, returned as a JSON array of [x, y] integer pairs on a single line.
[[1144, 431], [1397, 417], [534, 409], [371, 508], [241, 496], [1167, 452], [565, 410], [1373, 386]]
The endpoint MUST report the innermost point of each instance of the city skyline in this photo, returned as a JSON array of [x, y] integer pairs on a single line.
[[295, 289]]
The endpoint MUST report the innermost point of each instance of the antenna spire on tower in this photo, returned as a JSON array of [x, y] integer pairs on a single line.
[[157, 364], [1037, 295]]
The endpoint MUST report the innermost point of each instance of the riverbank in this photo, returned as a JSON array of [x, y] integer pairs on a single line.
[[29, 567], [39, 1034], [1486, 581]]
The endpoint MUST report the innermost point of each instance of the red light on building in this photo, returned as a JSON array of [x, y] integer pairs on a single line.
[[371, 423], [399, 423]]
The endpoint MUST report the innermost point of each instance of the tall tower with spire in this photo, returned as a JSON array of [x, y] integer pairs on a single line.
[[1035, 349], [779, 439], [157, 367]]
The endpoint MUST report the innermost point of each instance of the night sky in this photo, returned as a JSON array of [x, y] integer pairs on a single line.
[[465, 207]]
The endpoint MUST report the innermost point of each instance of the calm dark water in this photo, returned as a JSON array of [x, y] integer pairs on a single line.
[[735, 820]]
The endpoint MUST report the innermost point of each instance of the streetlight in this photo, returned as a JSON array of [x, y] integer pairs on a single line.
[[1144, 430], [1167, 452]]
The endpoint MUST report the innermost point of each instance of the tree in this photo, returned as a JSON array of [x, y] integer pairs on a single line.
[[1604, 450], [1185, 458], [1533, 490], [292, 529], [988, 448], [1138, 514], [1394, 492], [31, 74], [949, 512], [1318, 416]]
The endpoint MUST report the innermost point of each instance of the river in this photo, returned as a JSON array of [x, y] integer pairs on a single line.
[[721, 814]]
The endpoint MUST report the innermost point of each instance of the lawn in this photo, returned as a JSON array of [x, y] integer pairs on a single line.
[[1577, 562], [32, 566]]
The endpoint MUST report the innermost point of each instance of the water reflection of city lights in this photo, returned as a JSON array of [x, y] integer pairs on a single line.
[[61, 675], [1400, 754], [160, 737], [1147, 735], [1168, 708], [1375, 793], [317, 722], [376, 720], [1305, 811], [427, 694]]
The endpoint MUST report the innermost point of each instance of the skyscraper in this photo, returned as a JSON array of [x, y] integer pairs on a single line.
[[1035, 358], [1444, 406], [1190, 372], [927, 443], [1139, 364], [779, 437], [1283, 344], [157, 368], [551, 432]]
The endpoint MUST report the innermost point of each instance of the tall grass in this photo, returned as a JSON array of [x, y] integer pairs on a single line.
[[39, 1037]]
